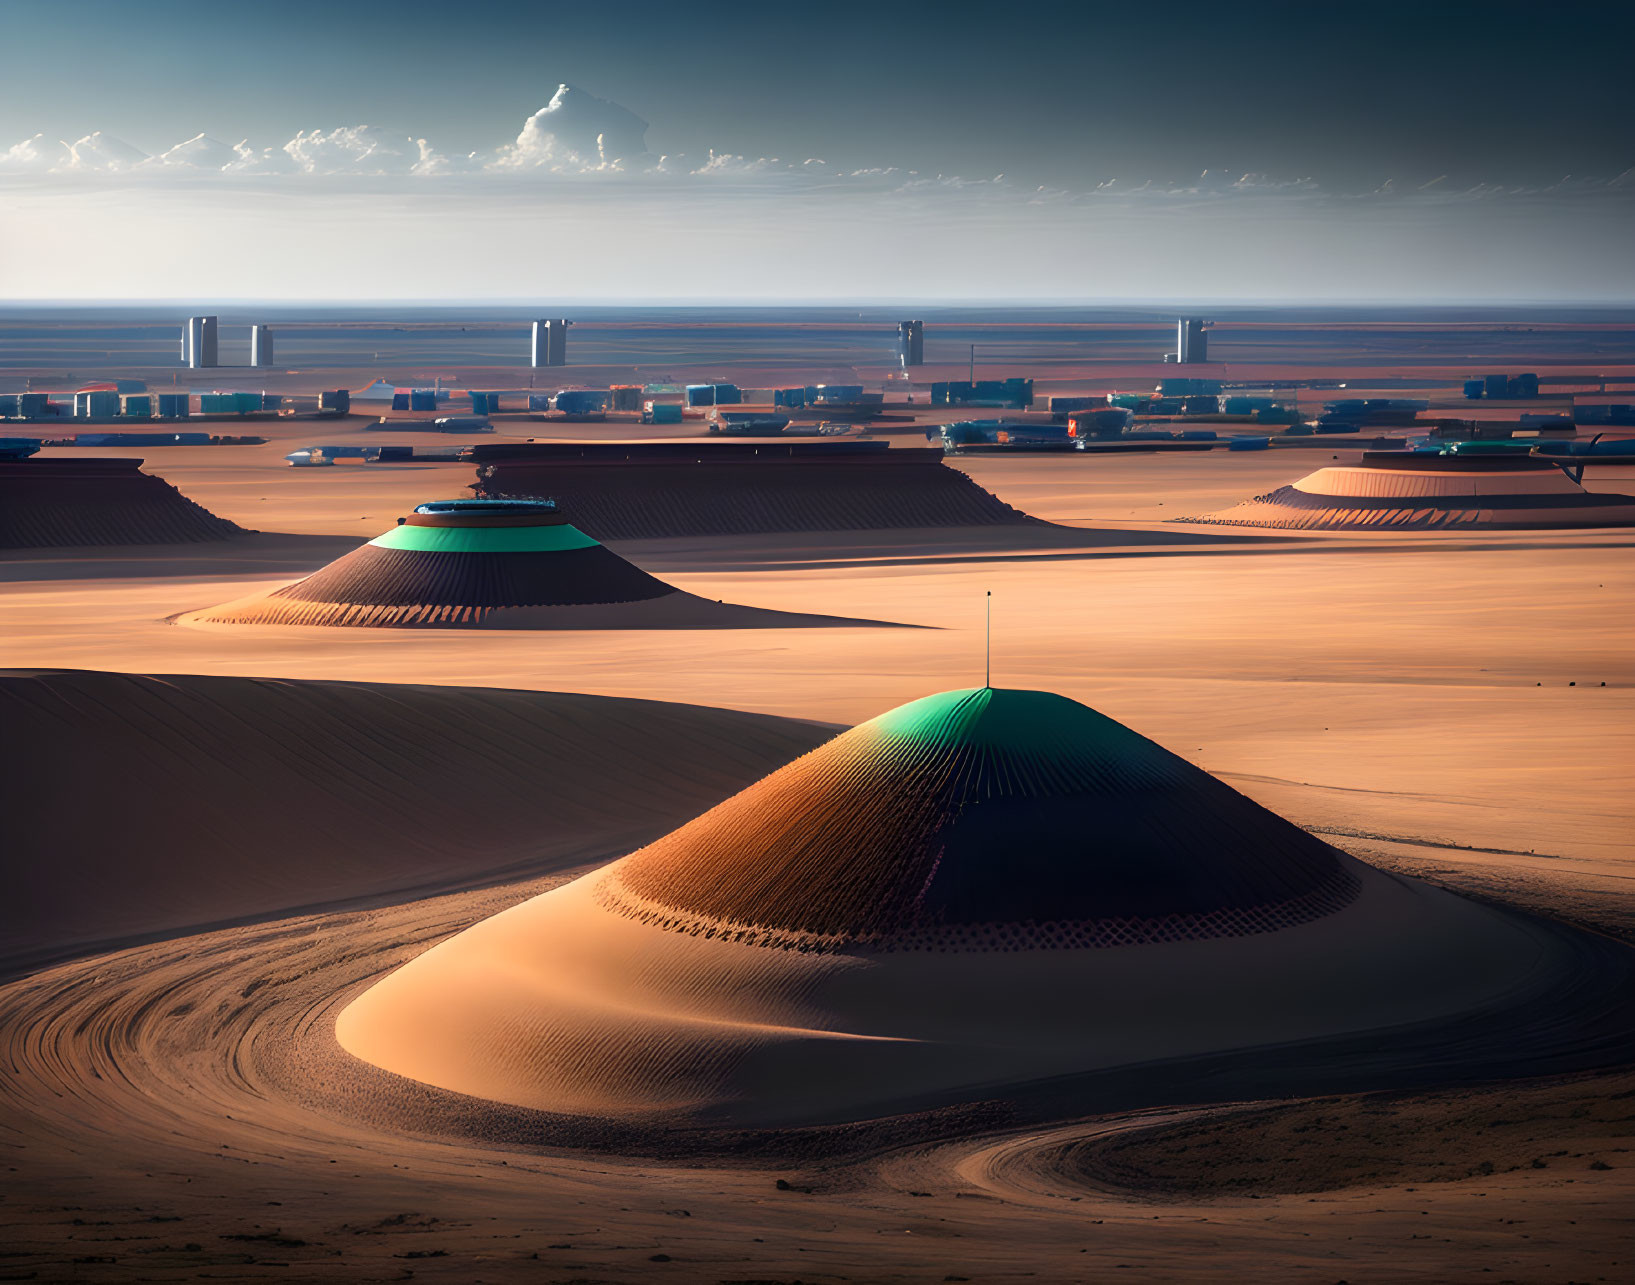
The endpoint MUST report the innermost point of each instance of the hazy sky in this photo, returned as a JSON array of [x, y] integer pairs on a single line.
[[827, 150]]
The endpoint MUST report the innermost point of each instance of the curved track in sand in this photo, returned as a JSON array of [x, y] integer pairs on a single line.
[[198, 1079]]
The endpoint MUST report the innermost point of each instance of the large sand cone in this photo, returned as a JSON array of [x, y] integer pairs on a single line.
[[487, 564], [971, 892], [64, 503], [1402, 491]]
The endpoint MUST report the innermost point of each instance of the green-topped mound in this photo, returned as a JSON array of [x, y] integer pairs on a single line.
[[486, 564], [986, 818], [977, 895]]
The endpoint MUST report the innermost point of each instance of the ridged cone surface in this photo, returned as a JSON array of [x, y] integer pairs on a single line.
[[450, 577], [1377, 497], [982, 819]]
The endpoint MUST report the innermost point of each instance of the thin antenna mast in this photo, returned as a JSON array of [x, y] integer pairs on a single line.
[[987, 645]]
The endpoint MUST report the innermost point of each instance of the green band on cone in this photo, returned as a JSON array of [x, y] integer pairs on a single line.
[[501, 539]]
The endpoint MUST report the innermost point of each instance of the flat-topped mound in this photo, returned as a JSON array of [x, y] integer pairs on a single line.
[[1391, 490], [64, 503], [656, 490], [486, 564], [142, 804], [976, 892]]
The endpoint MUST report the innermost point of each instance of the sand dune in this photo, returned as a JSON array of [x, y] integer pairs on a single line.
[[1395, 491], [147, 804], [963, 897], [76, 502], [665, 490]]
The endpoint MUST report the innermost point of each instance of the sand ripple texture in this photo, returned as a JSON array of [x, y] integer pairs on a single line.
[[726, 491], [68, 503]]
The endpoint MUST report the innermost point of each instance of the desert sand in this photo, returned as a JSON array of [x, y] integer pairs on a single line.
[[1429, 702]]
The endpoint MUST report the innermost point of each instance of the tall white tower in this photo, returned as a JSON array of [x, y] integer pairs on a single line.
[[550, 344], [199, 348]]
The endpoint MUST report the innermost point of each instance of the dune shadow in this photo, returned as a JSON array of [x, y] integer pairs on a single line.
[[255, 553]]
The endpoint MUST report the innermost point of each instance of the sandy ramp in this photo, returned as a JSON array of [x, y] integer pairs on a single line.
[[139, 805]]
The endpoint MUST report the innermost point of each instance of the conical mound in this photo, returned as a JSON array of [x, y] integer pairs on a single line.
[[983, 820], [463, 563], [976, 892], [1402, 491], [63, 503]]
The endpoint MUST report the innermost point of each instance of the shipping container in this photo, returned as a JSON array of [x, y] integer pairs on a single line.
[[581, 401]]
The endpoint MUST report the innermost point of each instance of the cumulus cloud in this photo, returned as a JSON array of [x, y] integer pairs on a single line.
[[33, 155], [576, 131]]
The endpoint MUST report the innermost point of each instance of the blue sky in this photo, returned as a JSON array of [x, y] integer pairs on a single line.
[[840, 150]]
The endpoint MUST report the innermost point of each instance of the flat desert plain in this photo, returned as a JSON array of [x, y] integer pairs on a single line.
[[245, 857]]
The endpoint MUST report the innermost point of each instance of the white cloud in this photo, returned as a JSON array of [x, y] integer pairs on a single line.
[[576, 131], [251, 161], [32, 155], [353, 149], [201, 152], [578, 144]]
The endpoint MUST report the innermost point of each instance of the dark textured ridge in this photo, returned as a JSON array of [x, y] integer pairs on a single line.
[[1291, 508], [636, 499], [1081, 835], [61, 503], [1424, 462], [375, 577]]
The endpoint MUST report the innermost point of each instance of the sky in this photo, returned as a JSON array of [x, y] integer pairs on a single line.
[[1086, 152]]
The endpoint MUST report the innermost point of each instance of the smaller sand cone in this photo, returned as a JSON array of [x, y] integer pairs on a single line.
[[1390, 491]]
